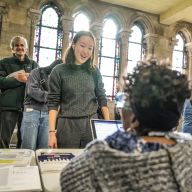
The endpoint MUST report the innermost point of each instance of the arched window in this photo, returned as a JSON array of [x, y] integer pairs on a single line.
[[135, 49], [81, 22], [48, 36], [109, 57], [179, 58]]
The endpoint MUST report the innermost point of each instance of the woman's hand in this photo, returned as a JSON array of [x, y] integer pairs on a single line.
[[105, 111], [52, 124], [52, 140]]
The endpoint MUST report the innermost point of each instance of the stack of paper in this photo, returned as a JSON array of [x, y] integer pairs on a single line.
[[18, 179], [16, 174], [14, 74], [16, 157]]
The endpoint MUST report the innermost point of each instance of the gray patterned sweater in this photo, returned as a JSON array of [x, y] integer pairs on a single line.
[[101, 168]]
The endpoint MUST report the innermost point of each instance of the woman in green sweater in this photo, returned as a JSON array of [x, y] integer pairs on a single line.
[[75, 91]]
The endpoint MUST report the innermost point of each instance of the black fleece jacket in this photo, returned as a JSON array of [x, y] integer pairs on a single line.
[[12, 91]]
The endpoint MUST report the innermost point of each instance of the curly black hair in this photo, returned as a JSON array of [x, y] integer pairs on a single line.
[[156, 95]]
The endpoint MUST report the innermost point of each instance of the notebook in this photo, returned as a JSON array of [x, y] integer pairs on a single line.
[[102, 128], [19, 179]]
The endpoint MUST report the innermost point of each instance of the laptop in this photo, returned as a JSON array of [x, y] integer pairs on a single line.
[[102, 128]]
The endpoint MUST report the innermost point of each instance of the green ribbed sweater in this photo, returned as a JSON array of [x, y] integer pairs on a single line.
[[74, 90]]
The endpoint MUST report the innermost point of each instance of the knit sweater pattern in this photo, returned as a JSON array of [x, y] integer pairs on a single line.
[[35, 95], [101, 168], [74, 91]]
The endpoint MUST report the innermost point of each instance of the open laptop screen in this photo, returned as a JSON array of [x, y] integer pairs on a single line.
[[103, 128]]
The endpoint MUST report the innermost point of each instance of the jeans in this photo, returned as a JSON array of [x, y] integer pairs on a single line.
[[187, 117], [34, 129]]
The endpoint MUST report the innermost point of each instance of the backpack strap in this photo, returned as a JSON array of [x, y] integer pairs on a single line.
[[42, 81]]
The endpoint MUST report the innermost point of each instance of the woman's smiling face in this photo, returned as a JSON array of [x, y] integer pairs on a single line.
[[83, 49]]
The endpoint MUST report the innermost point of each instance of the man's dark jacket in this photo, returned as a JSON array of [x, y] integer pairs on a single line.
[[12, 91]]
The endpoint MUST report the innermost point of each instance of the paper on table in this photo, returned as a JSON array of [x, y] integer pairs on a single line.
[[23, 179], [16, 157], [5, 176], [14, 74], [26, 178]]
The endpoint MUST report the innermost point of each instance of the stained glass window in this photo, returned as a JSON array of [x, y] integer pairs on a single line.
[[81, 22], [179, 58], [48, 36], [135, 49], [109, 57]]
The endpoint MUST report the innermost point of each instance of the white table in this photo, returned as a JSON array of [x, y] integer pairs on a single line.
[[51, 180], [19, 171]]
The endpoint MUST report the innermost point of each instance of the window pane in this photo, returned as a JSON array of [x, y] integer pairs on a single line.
[[81, 22], [134, 48], [109, 29], [109, 56], [134, 52], [60, 39], [35, 53], [178, 54], [36, 38], [48, 37], [180, 43], [177, 59], [107, 66], [47, 17], [48, 34], [46, 57], [108, 48], [108, 85], [130, 66], [136, 35]]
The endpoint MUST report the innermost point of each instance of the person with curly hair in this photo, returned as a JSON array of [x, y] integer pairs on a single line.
[[148, 155]]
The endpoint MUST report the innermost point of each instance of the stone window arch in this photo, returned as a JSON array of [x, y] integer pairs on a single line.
[[135, 46], [48, 36], [109, 56], [179, 56]]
